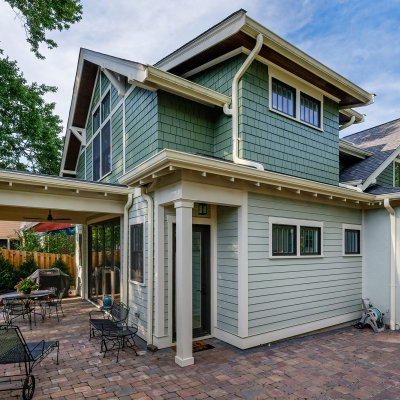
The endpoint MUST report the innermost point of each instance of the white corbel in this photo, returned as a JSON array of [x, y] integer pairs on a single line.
[[116, 81], [79, 133]]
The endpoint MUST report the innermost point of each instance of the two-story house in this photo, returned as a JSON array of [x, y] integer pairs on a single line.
[[234, 210]]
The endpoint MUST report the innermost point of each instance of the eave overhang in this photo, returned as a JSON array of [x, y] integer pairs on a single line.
[[352, 150], [169, 161], [240, 30], [345, 116]]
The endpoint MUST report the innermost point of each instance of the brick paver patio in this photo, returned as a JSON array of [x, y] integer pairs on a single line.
[[343, 364]]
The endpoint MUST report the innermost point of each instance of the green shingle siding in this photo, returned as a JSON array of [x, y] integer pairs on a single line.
[[115, 99], [116, 149], [184, 125], [386, 176], [227, 269], [104, 83], [288, 292], [80, 169], [89, 162], [141, 126]]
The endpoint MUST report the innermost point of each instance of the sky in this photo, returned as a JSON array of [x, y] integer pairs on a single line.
[[358, 39]]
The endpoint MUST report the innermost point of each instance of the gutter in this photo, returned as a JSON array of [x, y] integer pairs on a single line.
[[128, 205], [234, 111], [150, 277], [392, 216], [347, 124]]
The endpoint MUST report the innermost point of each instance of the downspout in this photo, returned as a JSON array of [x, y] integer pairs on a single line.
[[392, 216], [347, 124], [128, 205], [150, 278], [234, 110]]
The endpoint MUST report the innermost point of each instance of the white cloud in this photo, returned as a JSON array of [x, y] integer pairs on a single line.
[[147, 31]]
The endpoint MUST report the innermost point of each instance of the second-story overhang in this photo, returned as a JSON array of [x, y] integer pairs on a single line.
[[240, 31], [161, 169]]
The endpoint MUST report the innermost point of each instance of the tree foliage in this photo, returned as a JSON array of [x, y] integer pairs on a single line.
[[39, 16], [29, 129]]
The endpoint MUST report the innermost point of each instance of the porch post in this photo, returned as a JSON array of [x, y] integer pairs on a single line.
[[183, 283]]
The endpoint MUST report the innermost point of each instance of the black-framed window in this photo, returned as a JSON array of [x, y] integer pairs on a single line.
[[310, 240], [283, 240], [102, 138], [310, 110], [352, 241], [136, 259], [283, 98]]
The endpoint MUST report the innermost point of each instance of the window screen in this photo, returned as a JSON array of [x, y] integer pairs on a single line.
[[352, 241], [310, 240], [310, 110], [283, 240], [283, 98]]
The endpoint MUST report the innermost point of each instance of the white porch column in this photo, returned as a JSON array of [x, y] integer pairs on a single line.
[[183, 283]]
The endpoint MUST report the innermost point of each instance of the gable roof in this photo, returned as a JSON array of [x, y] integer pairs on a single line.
[[383, 142], [238, 30]]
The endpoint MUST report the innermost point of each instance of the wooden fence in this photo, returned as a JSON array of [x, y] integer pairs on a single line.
[[43, 260]]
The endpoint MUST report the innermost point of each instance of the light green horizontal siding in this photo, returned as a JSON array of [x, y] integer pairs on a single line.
[[385, 178], [292, 291], [138, 293], [227, 269], [89, 162], [80, 169], [104, 83]]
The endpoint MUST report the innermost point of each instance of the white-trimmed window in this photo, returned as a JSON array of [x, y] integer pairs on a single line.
[[102, 138], [136, 253], [295, 238], [351, 240], [295, 99]]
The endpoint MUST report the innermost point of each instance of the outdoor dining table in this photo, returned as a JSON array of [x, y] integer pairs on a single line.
[[35, 295]]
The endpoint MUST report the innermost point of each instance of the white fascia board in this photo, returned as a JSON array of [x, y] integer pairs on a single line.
[[351, 149], [64, 153], [177, 159], [372, 178], [215, 35], [60, 183], [184, 87], [283, 47]]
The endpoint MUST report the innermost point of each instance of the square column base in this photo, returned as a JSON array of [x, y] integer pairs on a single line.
[[184, 362]]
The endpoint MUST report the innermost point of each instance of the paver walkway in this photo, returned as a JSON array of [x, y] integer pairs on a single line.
[[344, 364]]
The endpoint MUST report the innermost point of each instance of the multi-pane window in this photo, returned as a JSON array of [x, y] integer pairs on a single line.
[[310, 110], [283, 240], [352, 241], [295, 238], [102, 139], [310, 240], [136, 260], [283, 98]]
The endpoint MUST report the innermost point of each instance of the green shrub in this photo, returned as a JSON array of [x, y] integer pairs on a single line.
[[8, 275], [27, 267], [61, 265]]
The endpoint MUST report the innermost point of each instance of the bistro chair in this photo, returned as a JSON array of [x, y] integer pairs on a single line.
[[14, 349], [55, 303], [16, 308]]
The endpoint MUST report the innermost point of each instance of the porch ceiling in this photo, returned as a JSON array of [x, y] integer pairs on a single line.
[[29, 197]]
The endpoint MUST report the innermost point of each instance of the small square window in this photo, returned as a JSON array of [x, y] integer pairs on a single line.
[[310, 110], [283, 98], [310, 241], [283, 240], [352, 241]]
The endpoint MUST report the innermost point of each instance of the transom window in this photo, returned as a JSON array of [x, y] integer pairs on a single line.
[[102, 138], [351, 240], [295, 99], [295, 238]]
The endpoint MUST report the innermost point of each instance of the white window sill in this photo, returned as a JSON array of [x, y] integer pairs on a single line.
[[294, 257], [136, 283], [295, 119]]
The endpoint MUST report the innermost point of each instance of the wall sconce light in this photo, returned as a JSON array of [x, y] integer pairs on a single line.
[[202, 209]]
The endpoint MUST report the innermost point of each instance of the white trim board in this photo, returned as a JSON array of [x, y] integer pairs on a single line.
[[269, 337]]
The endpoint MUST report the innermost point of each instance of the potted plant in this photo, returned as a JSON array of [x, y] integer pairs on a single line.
[[26, 285]]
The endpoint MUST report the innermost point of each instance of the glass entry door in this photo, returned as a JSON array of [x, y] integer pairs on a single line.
[[201, 289], [104, 260]]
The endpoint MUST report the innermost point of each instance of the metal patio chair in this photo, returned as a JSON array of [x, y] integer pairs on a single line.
[[55, 303], [14, 349], [16, 308]]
